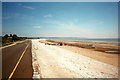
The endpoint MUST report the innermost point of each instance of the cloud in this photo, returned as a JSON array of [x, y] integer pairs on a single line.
[[54, 22], [69, 28], [47, 16], [74, 30], [28, 7], [38, 27]]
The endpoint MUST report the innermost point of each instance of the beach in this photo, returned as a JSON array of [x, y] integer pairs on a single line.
[[111, 59], [57, 59], [104, 52]]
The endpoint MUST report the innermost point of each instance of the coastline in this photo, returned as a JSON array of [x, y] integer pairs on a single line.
[[54, 60], [103, 52], [97, 46]]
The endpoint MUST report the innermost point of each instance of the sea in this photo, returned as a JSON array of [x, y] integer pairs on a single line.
[[115, 41]]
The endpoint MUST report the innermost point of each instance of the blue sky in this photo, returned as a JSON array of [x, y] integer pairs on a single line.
[[42, 19]]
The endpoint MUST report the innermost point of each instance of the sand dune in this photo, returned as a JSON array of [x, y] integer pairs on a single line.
[[54, 62]]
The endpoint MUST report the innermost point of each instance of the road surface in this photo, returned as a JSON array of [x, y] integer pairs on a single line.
[[56, 62], [11, 56]]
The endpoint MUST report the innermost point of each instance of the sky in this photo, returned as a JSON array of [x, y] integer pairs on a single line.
[[60, 19]]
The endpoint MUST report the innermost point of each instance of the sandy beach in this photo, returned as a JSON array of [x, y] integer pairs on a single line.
[[98, 52], [100, 56], [53, 61]]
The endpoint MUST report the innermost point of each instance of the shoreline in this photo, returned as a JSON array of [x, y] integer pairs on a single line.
[[85, 48], [97, 46], [59, 61]]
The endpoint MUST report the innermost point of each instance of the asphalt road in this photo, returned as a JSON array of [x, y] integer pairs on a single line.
[[11, 56]]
